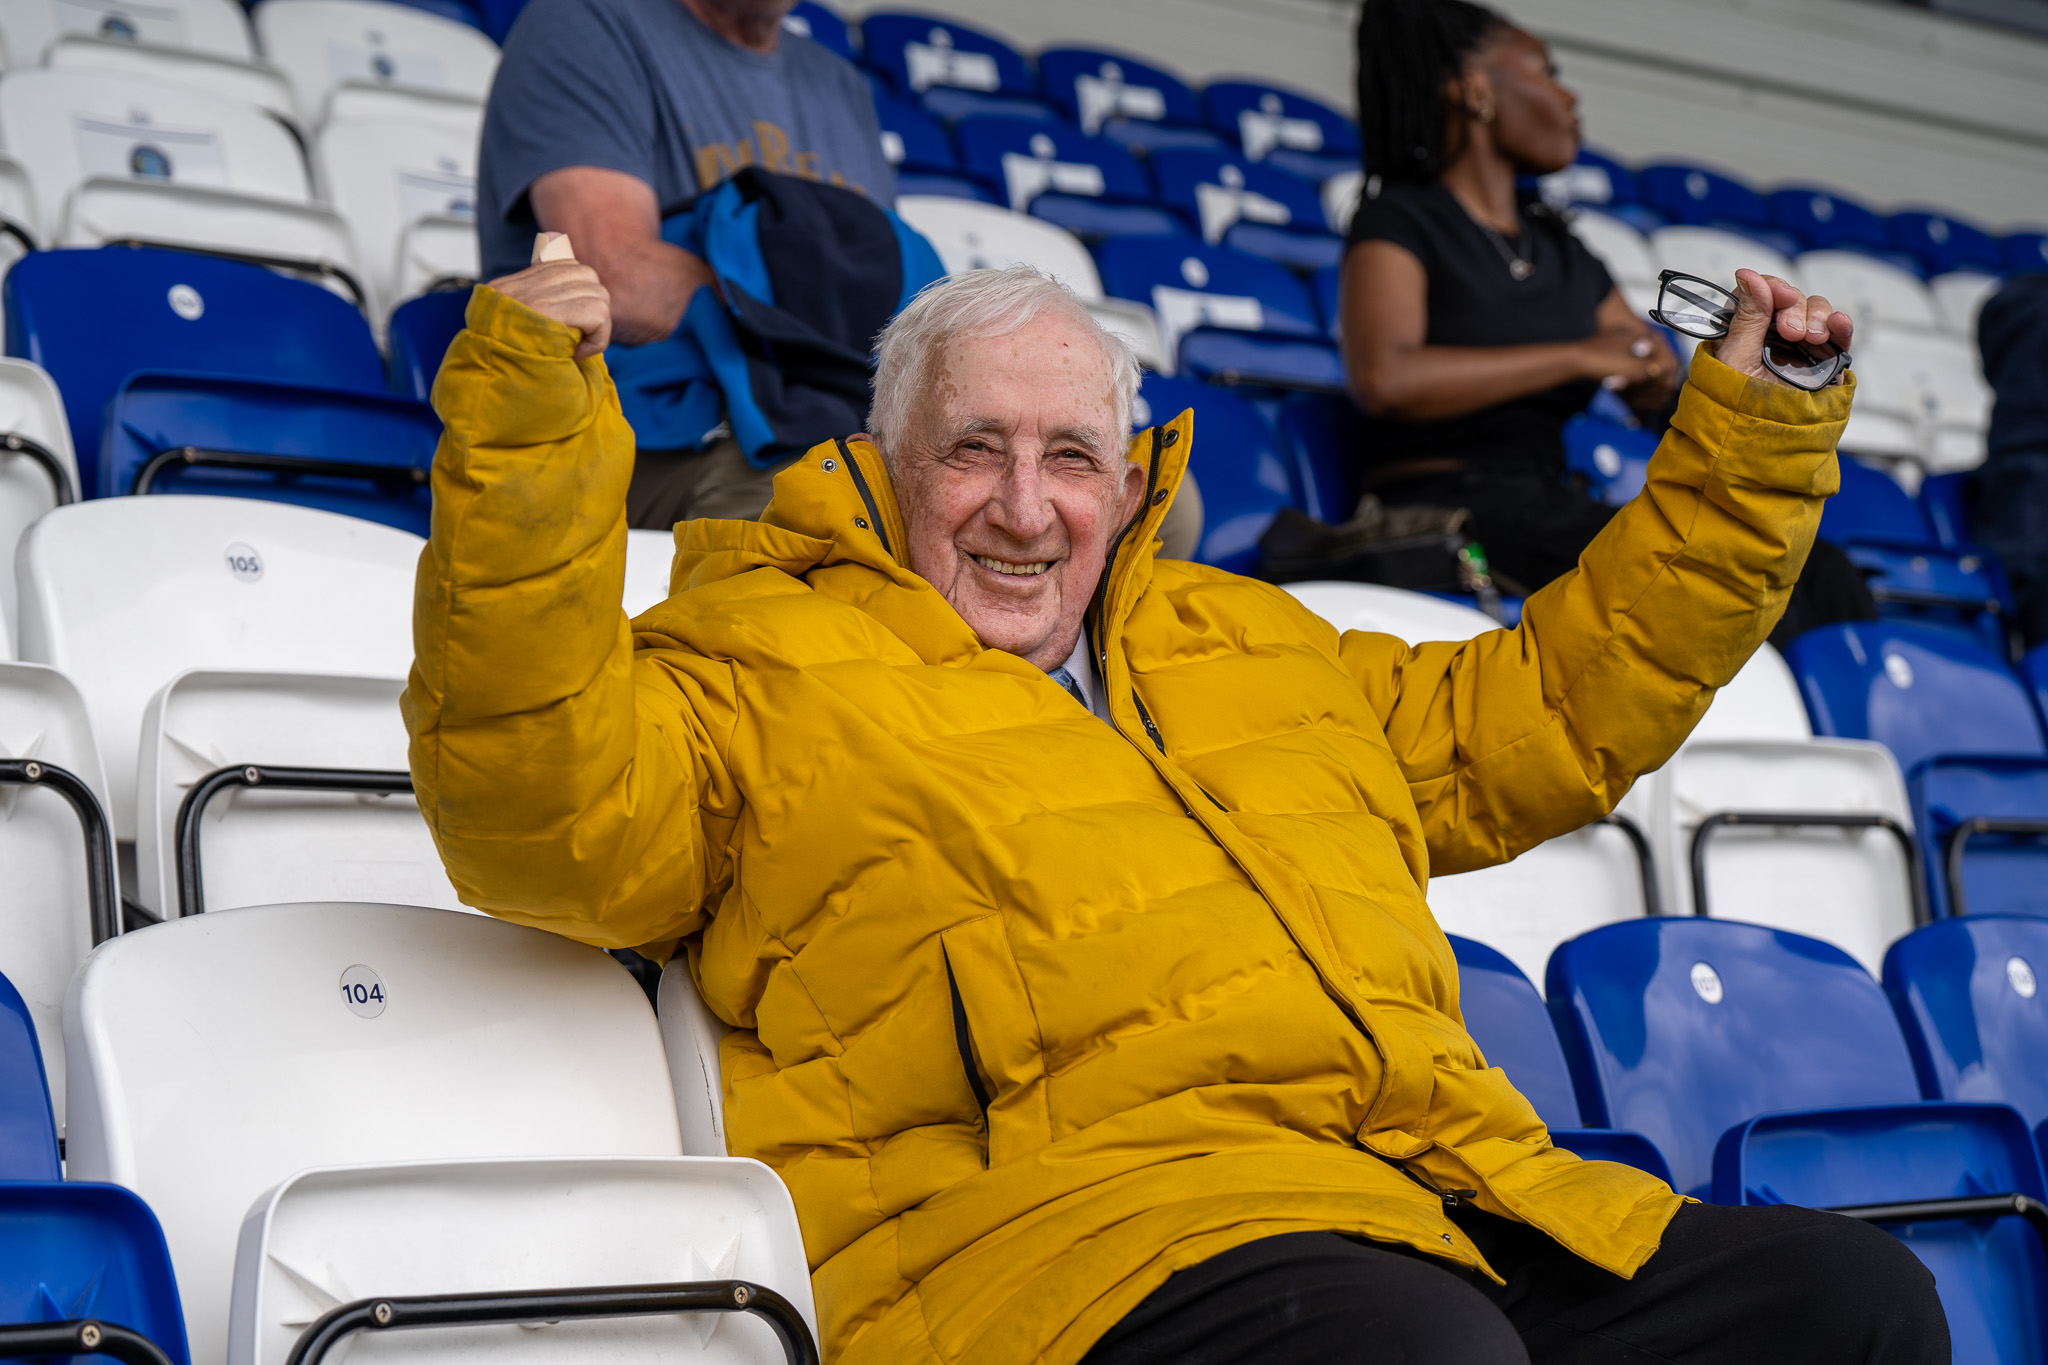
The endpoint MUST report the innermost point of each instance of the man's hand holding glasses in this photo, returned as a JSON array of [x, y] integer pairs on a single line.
[[1772, 331]]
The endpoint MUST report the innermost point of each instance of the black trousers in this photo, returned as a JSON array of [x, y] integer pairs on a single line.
[[1740, 1286]]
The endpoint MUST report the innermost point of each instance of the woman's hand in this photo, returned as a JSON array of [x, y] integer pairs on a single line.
[[557, 286], [1627, 359], [1764, 304]]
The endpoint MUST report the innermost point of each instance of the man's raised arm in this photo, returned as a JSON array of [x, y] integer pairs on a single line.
[[1521, 735], [567, 782]]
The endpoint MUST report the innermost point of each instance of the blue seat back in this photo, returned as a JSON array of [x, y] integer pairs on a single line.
[[1694, 194], [92, 317], [1092, 87], [1325, 439], [460, 11], [420, 332], [1945, 499], [28, 1133], [919, 52], [1138, 267], [945, 186], [1823, 219], [1943, 243], [913, 140], [2034, 675], [154, 413], [821, 26], [79, 1250], [1960, 591], [1327, 287], [1597, 179], [1506, 1017], [499, 16], [2024, 251], [1216, 191], [1614, 459], [1681, 1027], [1973, 996], [1235, 459], [1872, 506], [1028, 158], [2002, 873], [1262, 119], [1918, 690]]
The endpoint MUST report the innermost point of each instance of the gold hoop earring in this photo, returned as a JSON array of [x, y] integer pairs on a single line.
[[1484, 113]]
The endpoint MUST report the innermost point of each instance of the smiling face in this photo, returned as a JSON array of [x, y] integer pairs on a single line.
[[1012, 479]]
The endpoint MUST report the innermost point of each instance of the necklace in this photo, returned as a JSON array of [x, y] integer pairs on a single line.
[[1519, 266]]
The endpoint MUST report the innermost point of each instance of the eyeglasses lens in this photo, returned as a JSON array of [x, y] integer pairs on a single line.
[[1795, 362], [1698, 310]]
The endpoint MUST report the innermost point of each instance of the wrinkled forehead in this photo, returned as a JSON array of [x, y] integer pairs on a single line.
[[1050, 379]]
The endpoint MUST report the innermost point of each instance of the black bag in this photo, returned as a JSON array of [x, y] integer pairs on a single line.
[[1425, 549]]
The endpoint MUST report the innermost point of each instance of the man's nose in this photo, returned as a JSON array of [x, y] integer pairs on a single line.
[[1022, 506]]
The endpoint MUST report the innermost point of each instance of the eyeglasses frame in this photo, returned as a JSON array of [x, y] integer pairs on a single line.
[[1840, 357]]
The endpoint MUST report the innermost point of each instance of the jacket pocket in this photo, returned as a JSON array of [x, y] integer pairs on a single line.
[[998, 1037]]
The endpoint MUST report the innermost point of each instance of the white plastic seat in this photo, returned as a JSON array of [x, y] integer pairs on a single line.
[[354, 101], [690, 1034], [217, 1058], [239, 78], [1138, 325], [263, 847], [309, 240], [438, 251], [29, 28], [125, 594], [1958, 297], [322, 44], [18, 214], [1715, 255], [648, 557], [1876, 294], [1340, 195], [1926, 383], [45, 915], [31, 411], [1413, 616], [384, 176], [1624, 251], [975, 236]]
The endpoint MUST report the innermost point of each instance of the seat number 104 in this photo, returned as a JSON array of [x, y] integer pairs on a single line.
[[362, 990]]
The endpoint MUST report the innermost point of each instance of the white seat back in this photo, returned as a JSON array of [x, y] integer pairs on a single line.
[[648, 557], [1876, 294], [309, 239], [384, 175], [1138, 326], [212, 1058], [461, 1227], [1761, 701], [1715, 255], [352, 101], [1929, 382], [973, 236], [32, 409], [265, 847], [239, 78], [69, 126], [45, 915], [1340, 195], [1413, 616], [28, 28], [324, 43], [1958, 297], [690, 1034], [439, 251], [17, 210], [124, 594], [1624, 251]]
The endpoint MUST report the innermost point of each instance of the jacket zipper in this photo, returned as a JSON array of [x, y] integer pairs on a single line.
[[860, 484], [964, 1040]]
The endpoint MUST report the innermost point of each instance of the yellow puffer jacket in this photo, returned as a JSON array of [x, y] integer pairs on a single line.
[[1032, 1011]]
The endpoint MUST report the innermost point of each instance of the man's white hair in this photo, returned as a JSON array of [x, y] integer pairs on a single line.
[[980, 303]]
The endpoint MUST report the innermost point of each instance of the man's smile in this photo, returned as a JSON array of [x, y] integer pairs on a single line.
[[1011, 568]]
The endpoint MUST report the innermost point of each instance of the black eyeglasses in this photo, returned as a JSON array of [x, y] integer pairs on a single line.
[[1700, 308]]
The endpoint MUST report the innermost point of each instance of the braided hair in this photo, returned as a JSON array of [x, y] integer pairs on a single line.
[[1407, 50]]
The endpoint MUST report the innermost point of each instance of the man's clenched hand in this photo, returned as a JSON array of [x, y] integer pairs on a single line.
[[557, 286], [1767, 304]]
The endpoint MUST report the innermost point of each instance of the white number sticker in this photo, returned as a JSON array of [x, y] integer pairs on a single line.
[[362, 990], [1706, 983], [243, 562]]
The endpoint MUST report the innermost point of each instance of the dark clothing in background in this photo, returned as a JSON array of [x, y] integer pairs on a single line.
[[2012, 488], [1774, 1285], [1474, 301]]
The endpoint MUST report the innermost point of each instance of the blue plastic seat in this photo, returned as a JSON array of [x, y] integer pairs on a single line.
[[821, 26], [1326, 286], [1945, 499], [1872, 506], [1597, 180], [1254, 208], [1973, 997], [945, 186], [1293, 131], [419, 333], [1094, 88], [2034, 675], [1505, 1016], [921, 52], [94, 317], [1088, 185], [1943, 243], [1228, 316], [1915, 573], [499, 16], [1822, 219], [1693, 194], [1235, 459], [460, 11], [28, 1133], [913, 141], [1614, 459], [2024, 251], [1325, 439], [1983, 821]]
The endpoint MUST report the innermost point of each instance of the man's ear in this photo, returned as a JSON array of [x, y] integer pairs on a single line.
[[1133, 493]]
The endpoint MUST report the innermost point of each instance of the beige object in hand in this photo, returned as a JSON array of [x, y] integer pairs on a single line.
[[552, 246]]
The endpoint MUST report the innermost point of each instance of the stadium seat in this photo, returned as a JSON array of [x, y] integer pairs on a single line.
[[2025, 251], [1625, 252], [1593, 180], [125, 594], [810, 19], [238, 78], [95, 318], [1958, 296], [1414, 617], [1822, 219], [1697, 196], [384, 177], [1943, 243], [1258, 209], [690, 1034], [1877, 294], [1341, 195], [352, 101], [85, 1265], [58, 849], [1505, 1016], [1324, 434], [1872, 506], [1925, 382], [1235, 459], [913, 141], [1716, 254], [1614, 459], [329, 814], [1294, 132], [1222, 313], [520, 1099], [648, 557], [37, 468], [324, 46], [28, 1132], [1968, 992], [1985, 819], [418, 335], [1912, 573], [953, 70], [1089, 186], [28, 28], [1095, 89]]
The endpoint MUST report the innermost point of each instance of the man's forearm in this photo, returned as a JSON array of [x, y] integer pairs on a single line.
[[616, 224]]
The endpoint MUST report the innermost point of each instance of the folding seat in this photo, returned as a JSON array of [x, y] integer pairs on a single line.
[[418, 335], [1327, 286], [913, 141], [84, 1273], [326, 46], [1958, 295], [648, 557], [520, 1101], [1237, 461], [1697, 196], [1222, 314], [352, 101], [1325, 438], [1592, 180], [1089, 186], [1614, 459], [1293, 131], [1716, 254], [126, 594], [241, 78], [1768, 1068], [119, 159], [1258, 209], [1505, 1016], [1927, 383], [1965, 733], [58, 848], [1822, 219], [1912, 573], [2024, 251], [1877, 294], [1624, 251], [1341, 195], [37, 468], [28, 1130], [395, 181], [1113, 95], [1968, 992], [29, 28], [953, 70], [1943, 243], [810, 19]]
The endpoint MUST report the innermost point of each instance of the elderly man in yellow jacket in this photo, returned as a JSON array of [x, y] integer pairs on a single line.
[[1066, 903]]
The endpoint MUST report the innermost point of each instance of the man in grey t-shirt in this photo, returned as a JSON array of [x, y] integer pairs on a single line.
[[606, 115]]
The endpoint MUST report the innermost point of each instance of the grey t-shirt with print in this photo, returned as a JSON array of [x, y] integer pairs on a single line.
[[641, 86]]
